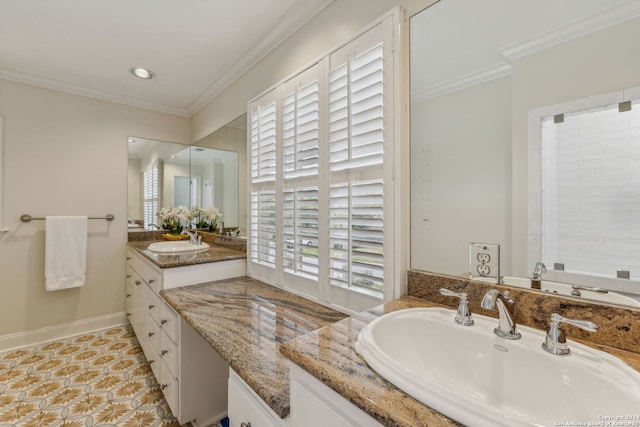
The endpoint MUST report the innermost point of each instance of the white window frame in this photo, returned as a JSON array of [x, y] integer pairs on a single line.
[[535, 202], [396, 177]]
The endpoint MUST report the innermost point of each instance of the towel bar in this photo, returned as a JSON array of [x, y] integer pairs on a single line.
[[28, 218]]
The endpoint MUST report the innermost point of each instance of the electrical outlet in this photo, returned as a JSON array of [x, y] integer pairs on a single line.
[[484, 260]]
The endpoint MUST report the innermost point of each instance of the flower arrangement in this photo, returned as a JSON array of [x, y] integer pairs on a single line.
[[206, 218], [174, 219]]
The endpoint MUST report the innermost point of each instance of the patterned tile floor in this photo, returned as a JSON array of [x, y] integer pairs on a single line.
[[98, 379]]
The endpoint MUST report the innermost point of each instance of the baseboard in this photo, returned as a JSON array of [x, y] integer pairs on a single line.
[[51, 333]]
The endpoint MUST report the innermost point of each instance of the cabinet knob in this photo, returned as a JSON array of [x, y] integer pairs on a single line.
[[128, 276], [128, 314], [163, 386], [128, 258], [163, 321], [245, 424], [150, 334], [151, 306], [151, 281], [164, 352], [138, 282], [128, 295]]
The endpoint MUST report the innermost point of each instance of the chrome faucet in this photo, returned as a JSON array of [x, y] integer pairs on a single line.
[[194, 238], [464, 314], [507, 325], [575, 290], [555, 342], [536, 276]]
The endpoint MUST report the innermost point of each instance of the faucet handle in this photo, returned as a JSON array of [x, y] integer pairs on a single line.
[[555, 341], [463, 317]]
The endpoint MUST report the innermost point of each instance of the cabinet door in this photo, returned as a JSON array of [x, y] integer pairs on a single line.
[[313, 404], [246, 408]]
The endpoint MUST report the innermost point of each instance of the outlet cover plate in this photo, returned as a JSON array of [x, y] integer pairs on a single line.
[[484, 260]]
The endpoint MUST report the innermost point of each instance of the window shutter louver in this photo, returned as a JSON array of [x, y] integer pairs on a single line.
[[263, 228], [356, 115], [151, 191], [300, 232], [263, 143], [300, 130], [356, 235]]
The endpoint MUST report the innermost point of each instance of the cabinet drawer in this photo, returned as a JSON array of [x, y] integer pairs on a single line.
[[148, 274], [128, 300], [154, 336], [169, 354], [170, 388], [154, 361], [153, 305], [169, 321]]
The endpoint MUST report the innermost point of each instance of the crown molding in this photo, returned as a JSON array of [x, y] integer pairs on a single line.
[[463, 82], [66, 87], [532, 45], [565, 33], [302, 13]]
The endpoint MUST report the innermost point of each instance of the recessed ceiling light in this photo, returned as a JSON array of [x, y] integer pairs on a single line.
[[142, 73]]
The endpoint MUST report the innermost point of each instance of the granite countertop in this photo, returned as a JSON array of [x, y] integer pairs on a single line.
[[247, 321], [215, 253], [328, 355]]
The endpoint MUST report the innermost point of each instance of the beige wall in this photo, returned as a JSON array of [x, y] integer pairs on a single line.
[[67, 155], [461, 176]]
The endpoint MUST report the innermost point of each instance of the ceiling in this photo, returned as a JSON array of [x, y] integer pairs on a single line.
[[196, 48]]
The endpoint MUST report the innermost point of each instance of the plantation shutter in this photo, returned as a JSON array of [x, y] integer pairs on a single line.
[[357, 151], [263, 131], [300, 154], [322, 156]]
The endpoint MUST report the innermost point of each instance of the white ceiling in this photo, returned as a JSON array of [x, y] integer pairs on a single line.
[[196, 48]]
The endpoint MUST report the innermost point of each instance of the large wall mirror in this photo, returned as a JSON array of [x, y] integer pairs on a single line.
[[208, 173], [483, 77]]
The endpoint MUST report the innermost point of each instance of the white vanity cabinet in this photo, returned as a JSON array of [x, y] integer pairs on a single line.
[[246, 408], [313, 404], [191, 374]]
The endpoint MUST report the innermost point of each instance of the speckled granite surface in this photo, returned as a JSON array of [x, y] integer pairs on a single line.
[[215, 253], [246, 321], [618, 326], [328, 353]]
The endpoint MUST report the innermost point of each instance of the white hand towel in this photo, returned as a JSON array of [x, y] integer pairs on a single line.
[[65, 252]]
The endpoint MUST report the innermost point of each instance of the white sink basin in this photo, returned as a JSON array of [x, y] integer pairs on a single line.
[[478, 379], [175, 247]]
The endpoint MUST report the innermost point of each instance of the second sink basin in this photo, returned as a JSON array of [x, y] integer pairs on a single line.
[[173, 247], [479, 379]]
